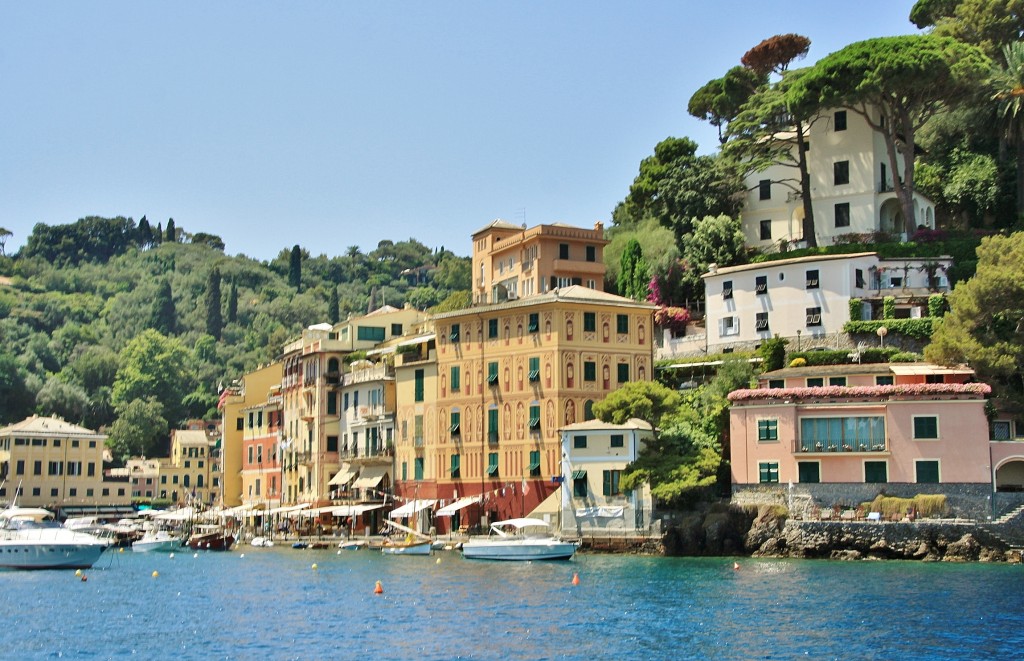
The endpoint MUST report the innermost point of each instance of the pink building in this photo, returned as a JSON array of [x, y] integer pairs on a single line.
[[871, 427]]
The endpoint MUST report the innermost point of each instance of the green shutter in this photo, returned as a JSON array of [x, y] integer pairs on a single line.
[[492, 426], [876, 472], [809, 472], [456, 379], [927, 472]]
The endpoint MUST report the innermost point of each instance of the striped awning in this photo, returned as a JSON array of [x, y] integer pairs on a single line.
[[579, 474]]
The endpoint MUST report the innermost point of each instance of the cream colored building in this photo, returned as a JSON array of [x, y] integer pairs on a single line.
[[58, 465], [595, 454], [851, 188], [511, 261]]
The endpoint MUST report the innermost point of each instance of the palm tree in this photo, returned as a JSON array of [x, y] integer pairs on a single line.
[[1009, 85]]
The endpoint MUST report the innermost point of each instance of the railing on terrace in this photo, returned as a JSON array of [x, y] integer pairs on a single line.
[[835, 445]]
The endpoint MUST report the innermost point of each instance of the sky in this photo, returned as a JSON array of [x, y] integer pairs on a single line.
[[337, 124]]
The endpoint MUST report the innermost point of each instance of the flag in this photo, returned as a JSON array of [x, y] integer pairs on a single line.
[[223, 398], [526, 487]]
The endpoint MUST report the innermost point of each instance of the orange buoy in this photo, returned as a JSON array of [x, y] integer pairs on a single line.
[[575, 578], [84, 578], [378, 589], [735, 565]]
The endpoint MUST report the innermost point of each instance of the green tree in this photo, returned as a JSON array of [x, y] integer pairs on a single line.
[[145, 233], [989, 24], [232, 304], [633, 272], [214, 317], [295, 268], [164, 317], [153, 365], [332, 307], [15, 399], [4, 235], [896, 84], [139, 431], [985, 325], [1009, 94], [212, 240], [65, 400], [719, 100], [172, 232]]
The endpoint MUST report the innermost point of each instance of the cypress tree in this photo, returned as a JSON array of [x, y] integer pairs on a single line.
[[164, 315], [214, 319], [332, 306], [232, 304], [145, 233], [295, 269], [171, 233], [158, 236]]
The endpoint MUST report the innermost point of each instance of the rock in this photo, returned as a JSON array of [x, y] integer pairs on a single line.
[[965, 549], [766, 525], [846, 554]]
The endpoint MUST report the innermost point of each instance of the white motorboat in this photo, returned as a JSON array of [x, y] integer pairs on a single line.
[[264, 542], [157, 540], [31, 538], [508, 540]]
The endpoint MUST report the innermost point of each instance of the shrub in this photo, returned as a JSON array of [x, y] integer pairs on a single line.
[[904, 357], [923, 504], [920, 329], [855, 308], [773, 353], [889, 307], [798, 362], [936, 305]]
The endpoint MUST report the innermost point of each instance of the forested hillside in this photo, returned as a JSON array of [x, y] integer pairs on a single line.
[[102, 310]]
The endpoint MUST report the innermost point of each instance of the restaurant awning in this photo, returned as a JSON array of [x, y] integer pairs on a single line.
[[370, 477], [288, 508], [410, 508], [353, 510], [343, 476], [459, 504]]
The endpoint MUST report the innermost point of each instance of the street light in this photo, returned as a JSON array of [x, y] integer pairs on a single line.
[[881, 333]]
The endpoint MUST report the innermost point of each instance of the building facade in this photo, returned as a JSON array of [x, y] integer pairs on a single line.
[[192, 474], [851, 188], [253, 389]]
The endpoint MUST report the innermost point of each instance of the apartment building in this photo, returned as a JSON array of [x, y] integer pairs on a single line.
[[851, 188], [254, 389]]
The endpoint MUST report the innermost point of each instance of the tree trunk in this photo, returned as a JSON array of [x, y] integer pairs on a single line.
[[810, 236]]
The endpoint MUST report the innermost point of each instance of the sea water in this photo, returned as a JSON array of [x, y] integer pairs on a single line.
[[274, 604]]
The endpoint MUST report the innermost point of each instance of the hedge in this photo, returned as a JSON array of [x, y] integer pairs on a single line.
[[920, 329]]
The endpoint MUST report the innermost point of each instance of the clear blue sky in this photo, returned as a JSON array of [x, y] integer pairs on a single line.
[[332, 124]]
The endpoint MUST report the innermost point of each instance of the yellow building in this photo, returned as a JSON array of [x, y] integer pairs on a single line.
[[192, 474], [58, 465], [511, 261], [508, 377], [252, 389]]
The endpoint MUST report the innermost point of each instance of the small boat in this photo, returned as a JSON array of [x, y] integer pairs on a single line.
[[353, 545], [264, 542], [31, 538], [157, 540], [414, 543], [509, 541], [210, 538]]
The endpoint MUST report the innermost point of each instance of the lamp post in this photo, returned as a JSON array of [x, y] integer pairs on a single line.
[[881, 333], [798, 331]]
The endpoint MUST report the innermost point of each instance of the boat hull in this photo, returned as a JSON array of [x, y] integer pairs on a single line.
[[518, 550], [418, 548], [211, 542], [49, 555], [160, 546]]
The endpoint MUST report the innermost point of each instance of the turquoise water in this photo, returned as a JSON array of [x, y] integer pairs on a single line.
[[271, 604]]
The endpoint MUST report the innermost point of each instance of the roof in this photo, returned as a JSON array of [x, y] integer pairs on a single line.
[[918, 369], [570, 294], [594, 425], [47, 426], [498, 223], [191, 437], [784, 262], [827, 370]]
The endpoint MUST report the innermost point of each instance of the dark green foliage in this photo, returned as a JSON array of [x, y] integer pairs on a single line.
[[91, 239], [843, 357], [633, 272], [145, 233], [888, 307], [920, 329], [164, 317], [214, 317], [855, 309], [211, 240], [232, 304], [15, 400], [295, 268], [332, 306], [172, 232], [773, 353]]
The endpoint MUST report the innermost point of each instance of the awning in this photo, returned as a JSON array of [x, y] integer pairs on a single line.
[[370, 477], [343, 476], [579, 474], [410, 508], [921, 369], [353, 510], [288, 508], [419, 339], [459, 504]]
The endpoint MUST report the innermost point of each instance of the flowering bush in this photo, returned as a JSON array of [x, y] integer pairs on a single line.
[[857, 392], [798, 362], [672, 318]]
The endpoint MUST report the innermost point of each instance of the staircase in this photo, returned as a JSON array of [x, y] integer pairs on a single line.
[[1008, 529]]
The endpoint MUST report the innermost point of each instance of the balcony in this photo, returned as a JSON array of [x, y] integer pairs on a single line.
[[833, 446]]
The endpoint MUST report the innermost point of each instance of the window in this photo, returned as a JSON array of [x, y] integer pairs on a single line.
[[622, 372], [837, 381], [250, 454], [590, 322], [417, 431], [492, 425], [883, 380], [764, 189], [610, 482], [534, 324], [812, 279], [534, 466], [396, 330], [492, 373], [492, 464], [454, 421], [768, 472], [761, 321], [765, 230], [492, 329], [579, 484], [370, 333], [933, 378], [418, 385], [858, 278], [841, 173], [456, 466], [815, 382], [767, 430], [728, 326], [332, 403], [842, 214], [454, 334], [332, 446], [808, 472], [1000, 430], [20, 467], [727, 289], [876, 472], [344, 401], [622, 324], [589, 370], [591, 253], [455, 379], [776, 383], [761, 284], [926, 427], [534, 369], [535, 417], [842, 434], [417, 468], [579, 442], [927, 471], [563, 251], [617, 441], [839, 120], [37, 467], [813, 317]]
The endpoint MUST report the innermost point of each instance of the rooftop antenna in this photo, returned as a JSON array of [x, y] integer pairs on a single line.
[[521, 212]]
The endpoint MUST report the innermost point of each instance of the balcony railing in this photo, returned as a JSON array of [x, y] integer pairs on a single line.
[[835, 446]]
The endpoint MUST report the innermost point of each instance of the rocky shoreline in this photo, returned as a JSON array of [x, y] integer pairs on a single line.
[[736, 531]]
